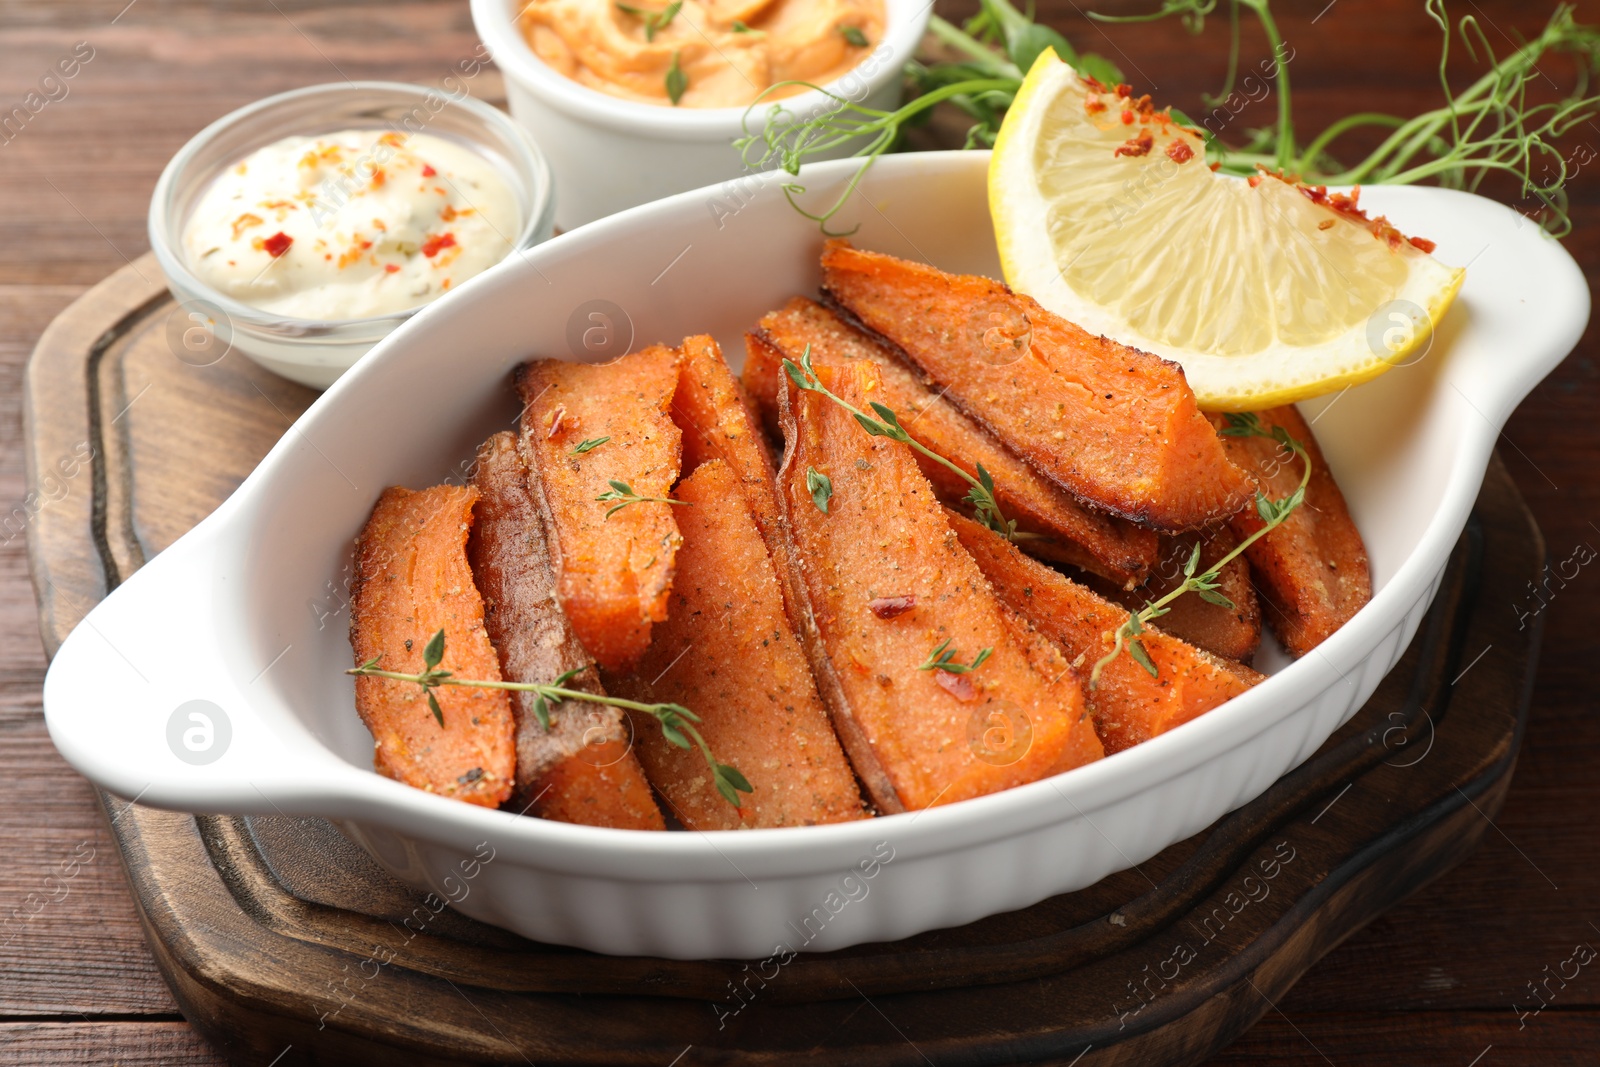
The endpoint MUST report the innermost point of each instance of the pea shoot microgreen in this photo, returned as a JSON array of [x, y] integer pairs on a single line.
[[820, 486], [1205, 584], [943, 658], [623, 492], [677, 722], [654, 21], [588, 445], [854, 37], [981, 495], [1497, 124]]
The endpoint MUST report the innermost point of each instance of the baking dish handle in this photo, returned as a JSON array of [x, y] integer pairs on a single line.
[[152, 698]]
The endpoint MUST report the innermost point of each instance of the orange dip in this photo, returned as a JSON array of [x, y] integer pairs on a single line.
[[704, 53]]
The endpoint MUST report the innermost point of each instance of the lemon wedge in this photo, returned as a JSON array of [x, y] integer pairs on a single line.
[[1265, 290]]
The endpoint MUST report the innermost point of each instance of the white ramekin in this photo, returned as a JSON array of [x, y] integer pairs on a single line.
[[246, 613], [314, 352], [608, 154]]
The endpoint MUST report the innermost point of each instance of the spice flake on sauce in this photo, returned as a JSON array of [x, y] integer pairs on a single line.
[[351, 224]]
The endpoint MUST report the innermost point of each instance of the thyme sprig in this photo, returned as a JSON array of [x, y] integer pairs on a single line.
[[980, 495], [1205, 584], [677, 722], [623, 492], [1491, 127], [943, 658]]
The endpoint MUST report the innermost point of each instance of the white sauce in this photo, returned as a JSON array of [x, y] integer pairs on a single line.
[[351, 224]]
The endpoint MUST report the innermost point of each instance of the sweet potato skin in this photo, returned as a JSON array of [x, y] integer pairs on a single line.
[[727, 653], [582, 769], [1233, 633], [613, 574], [1129, 705], [1312, 570], [886, 582], [1116, 427], [1062, 529], [412, 579]]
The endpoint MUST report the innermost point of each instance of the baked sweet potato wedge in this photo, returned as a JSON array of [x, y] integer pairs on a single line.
[[1233, 633], [726, 652], [1061, 529], [1312, 569], [614, 557], [890, 594], [1129, 705], [719, 421], [1116, 427], [581, 769], [412, 580]]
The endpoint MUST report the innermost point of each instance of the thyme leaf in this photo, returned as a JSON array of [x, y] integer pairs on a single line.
[[943, 658], [820, 486]]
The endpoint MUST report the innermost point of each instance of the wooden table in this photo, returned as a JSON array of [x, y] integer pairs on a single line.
[[1433, 982]]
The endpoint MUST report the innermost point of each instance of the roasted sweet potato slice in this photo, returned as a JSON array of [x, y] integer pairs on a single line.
[[613, 563], [726, 652], [582, 768], [1129, 704], [719, 421], [412, 580], [1061, 529], [1233, 633], [1116, 427], [890, 591], [1312, 570]]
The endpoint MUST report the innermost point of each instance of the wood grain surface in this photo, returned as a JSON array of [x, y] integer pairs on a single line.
[[1433, 981]]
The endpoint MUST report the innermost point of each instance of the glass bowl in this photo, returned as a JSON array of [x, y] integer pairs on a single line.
[[311, 351]]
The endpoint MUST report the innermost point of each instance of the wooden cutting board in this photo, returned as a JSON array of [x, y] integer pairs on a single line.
[[285, 944]]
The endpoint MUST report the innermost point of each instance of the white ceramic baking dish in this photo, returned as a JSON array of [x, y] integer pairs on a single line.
[[245, 613]]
